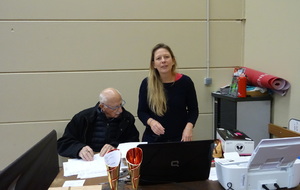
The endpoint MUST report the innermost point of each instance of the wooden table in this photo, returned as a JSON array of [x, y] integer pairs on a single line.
[[205, 185], [194, 185]]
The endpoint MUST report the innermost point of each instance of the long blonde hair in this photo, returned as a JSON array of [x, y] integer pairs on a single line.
[[156, 96]]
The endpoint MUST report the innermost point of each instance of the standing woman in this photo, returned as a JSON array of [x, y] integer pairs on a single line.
[[168, 104]]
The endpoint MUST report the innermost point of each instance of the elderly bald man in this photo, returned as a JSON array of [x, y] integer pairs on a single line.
[[98, 129]]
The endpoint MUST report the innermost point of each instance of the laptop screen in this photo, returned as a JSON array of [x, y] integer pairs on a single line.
[[175, 161]]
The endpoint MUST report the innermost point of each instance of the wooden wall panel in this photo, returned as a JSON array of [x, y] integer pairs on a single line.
[[81, 46], [60, 46], [57, 96], [226, 44], [223, 10], [120, 10]]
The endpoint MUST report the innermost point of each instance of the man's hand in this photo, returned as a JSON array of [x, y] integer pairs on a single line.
[[105, 149], [86, 153]]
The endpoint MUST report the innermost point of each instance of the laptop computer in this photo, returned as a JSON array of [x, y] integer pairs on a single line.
[[175, 161]]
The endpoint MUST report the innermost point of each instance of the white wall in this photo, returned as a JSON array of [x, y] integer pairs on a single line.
[[272, 44], [56, 57]]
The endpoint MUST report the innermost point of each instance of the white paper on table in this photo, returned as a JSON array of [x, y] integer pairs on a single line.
[[213, 174], [85, 169], [71, 168], [73, 183], [91, 174], [124, 147]]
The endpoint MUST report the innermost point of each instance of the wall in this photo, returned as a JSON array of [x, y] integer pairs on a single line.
[[272, 44], [56, 57]]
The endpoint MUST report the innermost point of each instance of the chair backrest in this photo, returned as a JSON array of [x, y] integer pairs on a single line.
[[281, 132], [35, 169]]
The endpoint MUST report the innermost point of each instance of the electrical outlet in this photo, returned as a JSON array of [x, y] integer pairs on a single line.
[[207, 81], [294, 125]]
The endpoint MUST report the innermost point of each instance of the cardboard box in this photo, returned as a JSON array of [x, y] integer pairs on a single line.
[[235, 141], [256, 93]]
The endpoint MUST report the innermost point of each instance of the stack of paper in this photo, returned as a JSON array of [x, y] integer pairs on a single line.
[[85, 169], [96, 168]]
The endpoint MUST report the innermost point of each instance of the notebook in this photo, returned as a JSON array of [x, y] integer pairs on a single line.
[[175, 161]]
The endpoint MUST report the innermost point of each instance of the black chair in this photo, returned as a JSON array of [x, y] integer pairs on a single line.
[[35, 169]]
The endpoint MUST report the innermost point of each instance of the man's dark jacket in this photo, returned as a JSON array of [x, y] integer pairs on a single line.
[[78, 132]]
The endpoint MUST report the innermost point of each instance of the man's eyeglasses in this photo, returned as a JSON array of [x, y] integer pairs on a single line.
[[115, 107]]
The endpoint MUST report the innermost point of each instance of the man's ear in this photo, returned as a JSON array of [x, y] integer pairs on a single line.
[[101, 106]]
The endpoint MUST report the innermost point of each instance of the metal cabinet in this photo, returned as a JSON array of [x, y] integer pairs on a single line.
[[250, 115]]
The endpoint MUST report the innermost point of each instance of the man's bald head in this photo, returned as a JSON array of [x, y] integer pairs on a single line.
[[111, 103], [110, 95]]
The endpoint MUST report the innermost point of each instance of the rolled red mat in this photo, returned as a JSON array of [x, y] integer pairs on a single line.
[[264, 80]]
